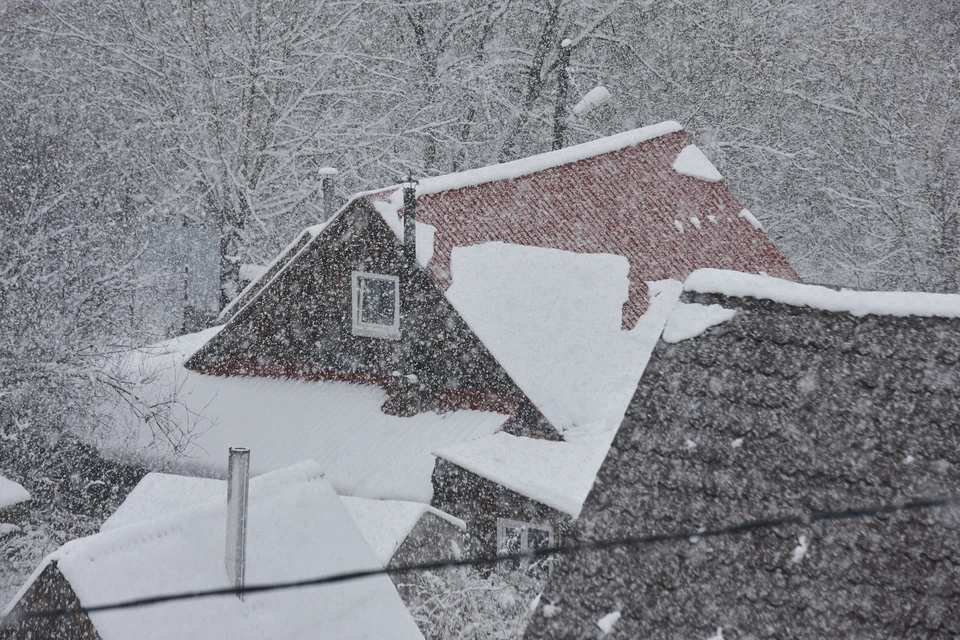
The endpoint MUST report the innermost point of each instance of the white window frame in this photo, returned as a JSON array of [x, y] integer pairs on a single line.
[[525, 527], [372, 329]]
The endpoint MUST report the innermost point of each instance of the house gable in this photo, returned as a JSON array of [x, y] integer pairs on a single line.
[[300, 325]]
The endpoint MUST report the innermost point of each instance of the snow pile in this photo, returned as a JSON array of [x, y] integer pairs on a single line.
[[594, 98], [690, 320], [363, 451], [11, 493], [606, 622], [692, 162], [561, 474], [678, 225], [297, 529], [553, 320], [541, 162], [746, 215], [857, 303], [390, 212]]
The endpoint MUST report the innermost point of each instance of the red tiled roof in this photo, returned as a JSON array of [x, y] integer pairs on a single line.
[[624, 201]]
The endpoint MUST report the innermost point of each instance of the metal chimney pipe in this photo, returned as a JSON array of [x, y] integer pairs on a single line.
[[326, 186], [238, 491], [410, 220]]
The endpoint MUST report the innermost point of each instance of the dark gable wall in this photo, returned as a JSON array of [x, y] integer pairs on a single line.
[[50, 590], [301, 326], [829, 406]]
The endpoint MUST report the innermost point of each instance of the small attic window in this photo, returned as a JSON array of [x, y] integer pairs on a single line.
[[376, 305], [522, 537]]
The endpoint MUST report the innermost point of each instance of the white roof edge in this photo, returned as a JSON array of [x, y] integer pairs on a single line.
[[443, 515], [541, 162], [857, 303]]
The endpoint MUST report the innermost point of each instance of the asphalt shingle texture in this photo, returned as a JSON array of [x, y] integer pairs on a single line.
[[779, 410]]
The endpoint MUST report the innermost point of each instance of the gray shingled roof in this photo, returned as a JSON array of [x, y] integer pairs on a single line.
[[833, 411]]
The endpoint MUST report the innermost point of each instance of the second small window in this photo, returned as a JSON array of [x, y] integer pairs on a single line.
[[376, 305]]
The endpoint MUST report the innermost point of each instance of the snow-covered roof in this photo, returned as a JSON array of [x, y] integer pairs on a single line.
[[625, 195], [11, 493], [363, 451], [553, 320], [385, 524], [857, 303], [561, 474], [297, 529]]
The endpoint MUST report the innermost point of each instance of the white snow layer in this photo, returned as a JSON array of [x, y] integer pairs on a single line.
[[606, 622], [363, 451], [591, 100], [543, 161], [390, 212], [11, 493], [553, 320], [746, 215], [692, 162], [857, 303], [385, 524], [561, 474], [691, 320], [297, 529]]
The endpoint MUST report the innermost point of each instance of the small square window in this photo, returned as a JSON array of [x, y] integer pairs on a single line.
[[376, 305], [522, 537]]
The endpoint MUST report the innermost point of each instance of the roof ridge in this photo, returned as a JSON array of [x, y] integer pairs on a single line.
[[538, 162]]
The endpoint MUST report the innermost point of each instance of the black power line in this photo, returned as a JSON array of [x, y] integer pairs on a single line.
[[568, 549]]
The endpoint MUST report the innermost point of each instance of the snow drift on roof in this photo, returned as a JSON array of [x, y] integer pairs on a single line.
[[552, 318], [363, 451], [297, 529], [857, 303], [561, 474], [11, 493], [692, 162]]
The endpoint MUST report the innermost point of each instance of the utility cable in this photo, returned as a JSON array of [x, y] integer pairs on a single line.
[[561, 550]]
